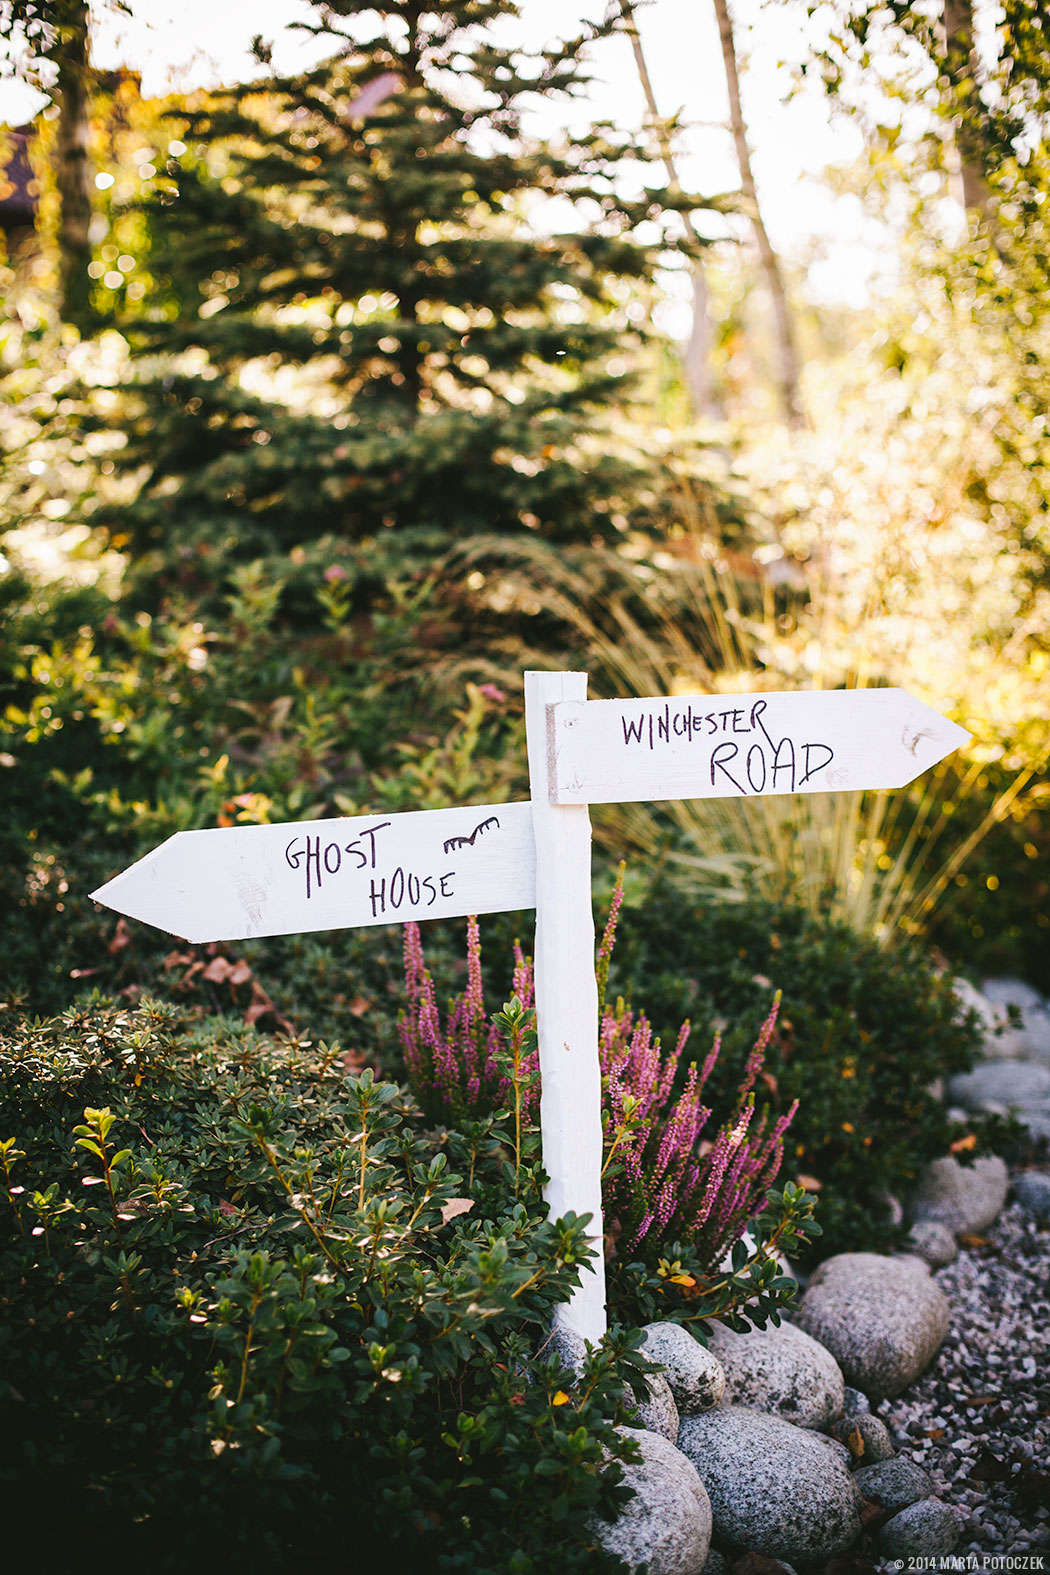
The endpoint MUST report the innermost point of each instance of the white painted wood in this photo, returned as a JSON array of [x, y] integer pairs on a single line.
[[237, 882], [744, 746], [566, 998]]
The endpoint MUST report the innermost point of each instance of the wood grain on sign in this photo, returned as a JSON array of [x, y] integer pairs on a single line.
[[743, 746], [238, 882]]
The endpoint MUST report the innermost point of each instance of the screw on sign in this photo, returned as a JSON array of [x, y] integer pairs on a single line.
[[237, 882]]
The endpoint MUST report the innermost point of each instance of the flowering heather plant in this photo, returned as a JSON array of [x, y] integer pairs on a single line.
[[664, 1178], [465, 1068]]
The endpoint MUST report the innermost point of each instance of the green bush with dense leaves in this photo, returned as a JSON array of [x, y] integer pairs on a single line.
[[863, 1034], [246, 1304]]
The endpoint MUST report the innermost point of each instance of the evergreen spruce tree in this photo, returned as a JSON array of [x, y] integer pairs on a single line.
[[353, 328]]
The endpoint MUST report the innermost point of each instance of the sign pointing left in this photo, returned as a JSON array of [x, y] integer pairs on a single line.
[[237, 882]]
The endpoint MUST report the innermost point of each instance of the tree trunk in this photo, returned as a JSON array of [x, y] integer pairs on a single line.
[[787, 353], [72, 171], [696, 358], [960, 67]]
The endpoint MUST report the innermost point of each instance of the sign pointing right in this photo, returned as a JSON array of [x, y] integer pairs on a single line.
[[742, 746]]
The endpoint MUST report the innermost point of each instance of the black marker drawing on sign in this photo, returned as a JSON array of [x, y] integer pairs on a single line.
[[760, 764], [468, 842], [911, 737]]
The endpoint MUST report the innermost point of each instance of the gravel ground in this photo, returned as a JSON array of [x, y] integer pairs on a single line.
[[979, 1419]]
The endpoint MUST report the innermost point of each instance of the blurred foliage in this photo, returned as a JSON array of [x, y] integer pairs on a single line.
[[349, 324]]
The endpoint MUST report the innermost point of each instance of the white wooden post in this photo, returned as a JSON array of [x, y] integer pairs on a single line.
[[566, 997]]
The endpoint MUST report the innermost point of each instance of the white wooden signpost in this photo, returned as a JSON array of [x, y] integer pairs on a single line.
[[238, 882]]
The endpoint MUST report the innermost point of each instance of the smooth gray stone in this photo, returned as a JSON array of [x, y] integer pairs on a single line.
[[566, 1344], [883, 1319], [1011, 1083], [1037, 1037], [659, 1414], [928, 1529], [854, 1402], [894, 1484], [775, 1488], [1032, 1191], [933, 1242], [695, 1376], [1011, 992], [866, 1437], [667, 1524], [783, 1370], [971, 999], [963, 1197]]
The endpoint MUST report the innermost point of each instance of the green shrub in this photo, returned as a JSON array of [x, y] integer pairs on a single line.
[[862, 1035], [247, 1305]]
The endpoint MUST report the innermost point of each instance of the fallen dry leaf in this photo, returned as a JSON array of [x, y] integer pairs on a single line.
[[121, 938], [359, 1006], [811, 1183], [963, 1144], [455, 1206], [217, 970]]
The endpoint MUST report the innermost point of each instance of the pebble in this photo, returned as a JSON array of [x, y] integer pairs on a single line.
[[893, 1484], [854, 1402], [933, 1242], [978, 1421], [866, 1437], [925, 1529], [1032, 1191]]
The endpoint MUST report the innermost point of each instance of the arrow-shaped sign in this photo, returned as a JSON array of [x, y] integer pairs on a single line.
[[742, 746], [242, 881]]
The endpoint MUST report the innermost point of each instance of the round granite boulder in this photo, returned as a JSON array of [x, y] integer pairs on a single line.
[[1032, 1191], [1015, 1084], [659, 1414], [928, 1529], [933, 1242], [963, 1197], [775, 1489], [667, 1524], [694, 1374], [783, 1370], [894, 1484], [883, 1319]]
